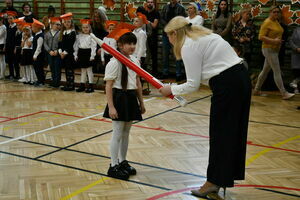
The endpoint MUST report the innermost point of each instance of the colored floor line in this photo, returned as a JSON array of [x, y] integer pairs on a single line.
[[81, 190], [283, 193], [5, 117], [31, 114], [26, 91], [252, 121], [239, 185], [256, 156]]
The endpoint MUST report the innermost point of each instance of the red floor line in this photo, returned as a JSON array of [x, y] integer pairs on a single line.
[[13, 91], [11, 119], [5, 117], [239, 185], [169, 131]]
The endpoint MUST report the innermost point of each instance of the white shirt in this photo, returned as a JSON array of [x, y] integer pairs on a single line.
[[2, 34], [203, 59], [40, 42], [197, 20], [141, 48], [85, 41], [113, 71], [25, 44], [111, 42]]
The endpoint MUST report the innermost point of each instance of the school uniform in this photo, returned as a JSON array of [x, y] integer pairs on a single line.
[[9, 51], [66, 46], [125, 102], [27, 62], [38, 55], [141, 45], [85, 50], [105, 56], [2, 53]]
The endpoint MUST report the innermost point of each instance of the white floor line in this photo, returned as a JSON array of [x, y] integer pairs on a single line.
[[54, 127]]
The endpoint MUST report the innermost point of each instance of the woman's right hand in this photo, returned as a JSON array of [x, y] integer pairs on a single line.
[[277, 41], [113, 113]]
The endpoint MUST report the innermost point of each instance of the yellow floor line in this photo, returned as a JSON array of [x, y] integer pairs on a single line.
[[250, 160], [84, 189], [6, 128]]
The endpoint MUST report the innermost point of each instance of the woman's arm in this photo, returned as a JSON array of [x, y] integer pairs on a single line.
[[140, 94], [228, 26]]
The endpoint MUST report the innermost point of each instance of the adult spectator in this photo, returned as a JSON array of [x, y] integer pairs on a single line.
[[168, 12], [295, 63], [153, 17], [46, 19], [8, 7], [193, 17], [221, 23], [270, 34], [243, 33], [26, 13]]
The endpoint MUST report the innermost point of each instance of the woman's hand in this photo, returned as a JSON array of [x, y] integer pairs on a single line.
[[143, 109], [165, 90], [113, 113]]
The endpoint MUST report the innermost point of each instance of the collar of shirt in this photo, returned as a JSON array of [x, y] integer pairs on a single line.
[[53, 32], [68, 31], [39, 32], [12, 25]]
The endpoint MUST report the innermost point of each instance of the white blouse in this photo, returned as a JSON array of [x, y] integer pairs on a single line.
[[2, 34], [141, 45], [197, 20], [85, 41], [203, 59], [25, 44], [113, 71], [111, 42]]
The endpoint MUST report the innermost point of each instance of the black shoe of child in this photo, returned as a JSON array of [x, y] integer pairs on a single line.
[[124, 166], [81, 87], [68, 88], [116, 172], [90, 89]]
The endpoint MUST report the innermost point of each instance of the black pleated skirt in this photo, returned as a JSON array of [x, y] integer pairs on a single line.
[[84, 58], [27, 57], [126, 104]]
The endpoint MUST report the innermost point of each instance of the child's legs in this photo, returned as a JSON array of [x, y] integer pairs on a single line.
[[2, 66], [124, 141], [90, 74], [83, 75], [118, 127]]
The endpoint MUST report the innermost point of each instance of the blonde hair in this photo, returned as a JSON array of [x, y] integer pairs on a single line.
[[183, 29]]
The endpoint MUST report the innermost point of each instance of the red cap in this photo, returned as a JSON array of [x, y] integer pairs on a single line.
[[37, 23], [117, 33], [54, 19], [26, 25], [67, 16], [142, 17], [18, 20], [85, 21], [12, 13], [123, 25], [109, 22]]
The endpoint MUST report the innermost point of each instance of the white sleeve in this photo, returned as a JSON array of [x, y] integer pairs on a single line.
[[142, 40], [201, 20], [39, 47], [111, 70], [102, 54], [93, 49], [76, 47], [193, 68], [3, 33]]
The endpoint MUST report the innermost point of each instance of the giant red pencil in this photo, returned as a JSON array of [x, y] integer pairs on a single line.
[[142, 73]]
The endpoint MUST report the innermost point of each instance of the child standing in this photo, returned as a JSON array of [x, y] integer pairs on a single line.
[[105, 56], [27, 54], [67, 40], [2, 47], [14, 71], [18, 48], [51, 47], [38, 52], [84, 53], [125, 103]]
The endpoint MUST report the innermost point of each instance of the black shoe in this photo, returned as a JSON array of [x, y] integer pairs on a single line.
[[90, 89], [81, 87], [68, 88], [126, 167], [116, 172]]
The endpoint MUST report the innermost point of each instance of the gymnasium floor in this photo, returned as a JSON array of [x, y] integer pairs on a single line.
[[55, 145]]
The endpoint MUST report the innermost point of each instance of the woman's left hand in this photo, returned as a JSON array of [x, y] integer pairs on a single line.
[[165, 90]]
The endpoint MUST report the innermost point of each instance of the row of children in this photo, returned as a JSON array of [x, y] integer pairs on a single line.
[[62, 47]]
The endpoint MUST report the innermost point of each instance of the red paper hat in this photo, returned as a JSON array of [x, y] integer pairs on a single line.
[[67, 16], [37, 23], [18, 20], [85, 21], [123, 25], [54, 19], [117, 33], [2, 14], [142, 17], [109, 22], [26, 25], [12, 13]]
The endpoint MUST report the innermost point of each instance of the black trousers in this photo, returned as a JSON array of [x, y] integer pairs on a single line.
[[69, 64], [38, 65], [152, 44], [229, 116]]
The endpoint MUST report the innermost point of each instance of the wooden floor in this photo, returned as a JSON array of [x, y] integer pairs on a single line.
[[55, 145]]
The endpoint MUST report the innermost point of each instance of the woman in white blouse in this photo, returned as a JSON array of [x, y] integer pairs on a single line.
[[193, 16], [209, 59]]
